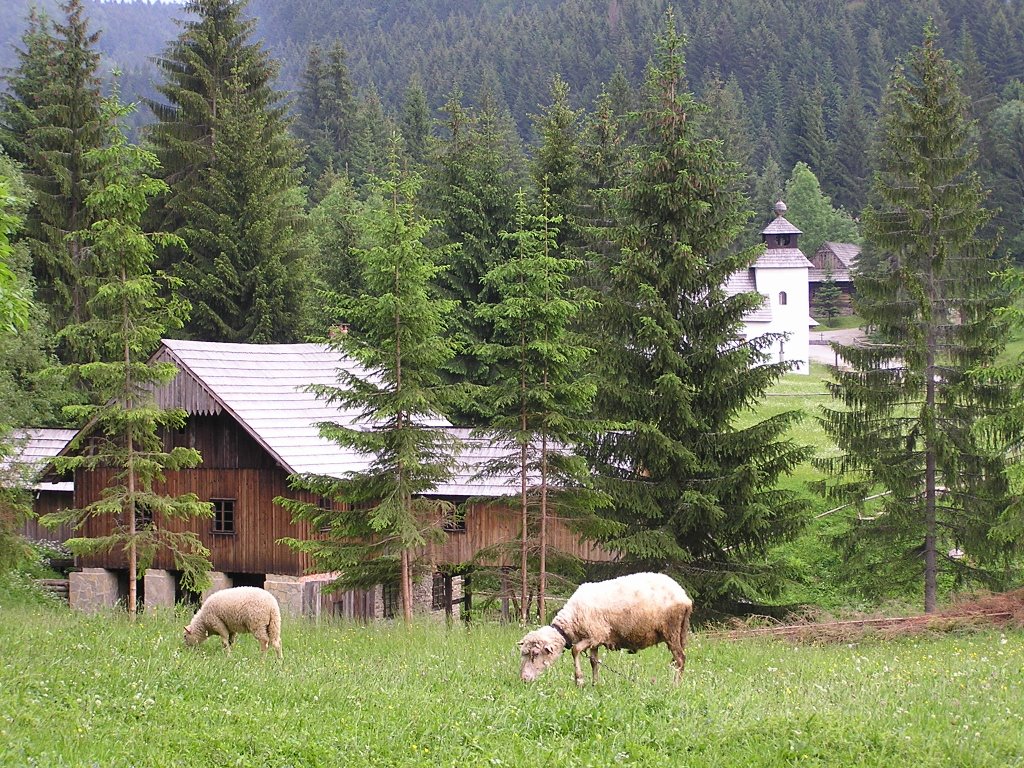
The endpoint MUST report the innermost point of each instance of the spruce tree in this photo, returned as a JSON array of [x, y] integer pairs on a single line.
[[541, 396], [398, 333], [128, 317], [470, 190], [908, 410], [326, 112], [245, 272], [415, 122], [52, 117], [222, 141], [602, 166], [853, 139], [693, 491], [556, 163]]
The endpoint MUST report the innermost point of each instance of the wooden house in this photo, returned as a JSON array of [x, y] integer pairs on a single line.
[[34, 450], [253, 420], [837, 261]]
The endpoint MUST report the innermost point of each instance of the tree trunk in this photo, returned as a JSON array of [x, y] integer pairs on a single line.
[[931, 563], [543, 565], [524, 542], [133, 555]]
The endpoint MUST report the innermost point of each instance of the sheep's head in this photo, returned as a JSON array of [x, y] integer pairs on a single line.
[[538, 651], [194, 637]]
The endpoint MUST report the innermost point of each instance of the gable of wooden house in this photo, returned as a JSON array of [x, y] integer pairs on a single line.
[[27, 469]]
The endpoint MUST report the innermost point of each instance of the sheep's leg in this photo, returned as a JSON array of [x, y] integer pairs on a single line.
[[576, 650], [263, 637], [678, 646], [678, 660], [595, 665], [225, 642]]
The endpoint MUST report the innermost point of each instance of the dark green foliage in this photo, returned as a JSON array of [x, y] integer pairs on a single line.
[[853, 137], [398, 331], [416, 122], [470, 190], [127, 319], [827, 297], [232, 171], [334, 237], [245, 269], [691, 493], [326, 112], [51, 118], [909, 410], [556, 164]]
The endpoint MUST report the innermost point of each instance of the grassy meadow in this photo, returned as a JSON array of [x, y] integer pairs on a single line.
[[80, 690]]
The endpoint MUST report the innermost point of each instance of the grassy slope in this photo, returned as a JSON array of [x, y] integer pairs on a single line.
[[82, 691]]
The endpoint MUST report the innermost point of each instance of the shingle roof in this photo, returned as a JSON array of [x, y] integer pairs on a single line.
[[743, 282], [845, 252], [780, 226], [35, 448], [782, 258], [265, 388]]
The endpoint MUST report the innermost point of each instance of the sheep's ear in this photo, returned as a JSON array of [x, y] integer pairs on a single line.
[[549, 648], [187, 630]]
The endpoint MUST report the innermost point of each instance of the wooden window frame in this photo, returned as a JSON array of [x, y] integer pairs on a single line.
[[224, 517]]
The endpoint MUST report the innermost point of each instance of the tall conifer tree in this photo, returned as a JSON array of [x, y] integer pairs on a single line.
[[909, 407], [692, 492], [542, 396], [52, 117], [221, 137], [398, 337], [128, 318]]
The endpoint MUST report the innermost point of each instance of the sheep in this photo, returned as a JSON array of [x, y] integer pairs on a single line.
[[631, 612], [238, 610]]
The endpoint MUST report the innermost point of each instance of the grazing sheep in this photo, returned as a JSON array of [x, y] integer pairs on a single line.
[[630, 612], [238, 610]]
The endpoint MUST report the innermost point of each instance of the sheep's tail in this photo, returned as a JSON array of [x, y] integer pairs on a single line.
[[274, 629]]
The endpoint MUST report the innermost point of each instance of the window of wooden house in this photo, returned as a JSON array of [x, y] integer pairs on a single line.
[[326, 505], [223, 516], [438, 593], [782, 298], [390, 597], [455, 522]]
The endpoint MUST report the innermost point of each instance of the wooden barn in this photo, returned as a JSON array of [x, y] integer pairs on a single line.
[[254, 422], [840, 261], [34, 450]]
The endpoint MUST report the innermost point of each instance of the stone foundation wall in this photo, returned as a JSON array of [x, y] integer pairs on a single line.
[[159, 587], [288, 591], [92, 589]]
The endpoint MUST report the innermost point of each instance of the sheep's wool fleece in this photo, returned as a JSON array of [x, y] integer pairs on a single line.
[[241, 609], [624, 611]]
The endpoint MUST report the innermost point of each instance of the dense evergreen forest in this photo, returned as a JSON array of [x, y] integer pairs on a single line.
[[314, 169], [800, 80]]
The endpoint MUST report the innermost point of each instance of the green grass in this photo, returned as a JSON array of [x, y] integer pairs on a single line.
[[97, 691]]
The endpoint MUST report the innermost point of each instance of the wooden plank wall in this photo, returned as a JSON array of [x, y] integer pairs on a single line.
[[43, 503], [236, 467], [259, 523]]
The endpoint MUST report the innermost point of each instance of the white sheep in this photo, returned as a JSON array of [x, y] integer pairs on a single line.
[[238, 610], [630, 612]]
